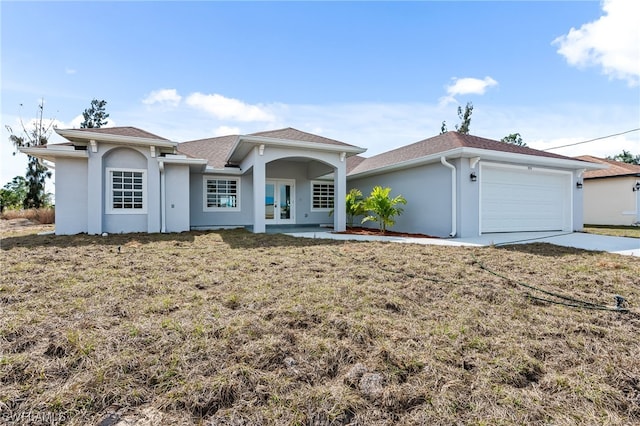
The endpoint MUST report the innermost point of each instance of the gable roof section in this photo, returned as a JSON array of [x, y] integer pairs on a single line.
[[444, 143], [289, 133], [128, 131], [214, 150], [615, 169]]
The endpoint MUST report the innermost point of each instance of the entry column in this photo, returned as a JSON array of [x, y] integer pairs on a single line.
[[259, 179]]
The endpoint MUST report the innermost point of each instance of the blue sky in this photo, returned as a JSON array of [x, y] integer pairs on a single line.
[[375, 74]]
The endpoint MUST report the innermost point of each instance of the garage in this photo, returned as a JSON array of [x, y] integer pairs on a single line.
[[522, 199]]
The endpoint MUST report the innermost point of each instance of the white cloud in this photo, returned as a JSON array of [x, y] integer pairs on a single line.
[[467, 86], [226, 130], [69, 71], [611, 42], [228, 108], [167, 97]]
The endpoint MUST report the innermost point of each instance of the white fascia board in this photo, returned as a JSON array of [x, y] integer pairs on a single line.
[[485, 154], [303, 144], [287, 143], [183, 160], [115, 139], [227, 171], [50, 153]]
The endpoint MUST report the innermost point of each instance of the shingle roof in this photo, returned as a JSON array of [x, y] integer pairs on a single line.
[[353, 162], [214, 150], [616, 168], [124, 131], [442, 143], [290, 133]]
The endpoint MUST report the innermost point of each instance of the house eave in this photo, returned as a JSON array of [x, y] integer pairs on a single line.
[[482, 154], [74, 135], [50, 153], [237, 153]]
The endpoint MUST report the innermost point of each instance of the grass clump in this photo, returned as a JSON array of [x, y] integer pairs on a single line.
[[230, 327]]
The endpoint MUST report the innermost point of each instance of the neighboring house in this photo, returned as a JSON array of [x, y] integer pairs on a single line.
[[124, 179], [612, 195]]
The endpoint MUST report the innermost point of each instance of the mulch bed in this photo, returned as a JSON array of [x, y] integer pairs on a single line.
[[357, 230]]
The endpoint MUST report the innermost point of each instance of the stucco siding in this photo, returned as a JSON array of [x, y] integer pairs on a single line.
[[279, 169], [200, 218], [610, 201], [176, 198], [127, 158], [71, 196], [427, 190]]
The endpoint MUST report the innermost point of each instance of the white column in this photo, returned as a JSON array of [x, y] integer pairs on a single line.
[[339, 203], [259, 171], [96, 187]]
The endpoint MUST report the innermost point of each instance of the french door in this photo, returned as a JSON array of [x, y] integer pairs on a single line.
[[279, 204]]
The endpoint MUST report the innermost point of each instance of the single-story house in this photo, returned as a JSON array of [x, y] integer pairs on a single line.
[[123, 179], [611, 195]]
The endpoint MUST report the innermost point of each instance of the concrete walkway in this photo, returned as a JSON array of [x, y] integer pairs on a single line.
[[617, 245]]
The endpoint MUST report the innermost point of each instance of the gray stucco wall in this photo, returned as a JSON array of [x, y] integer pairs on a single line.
[[125, 158], [427, 190], [280, 169], [71, 196], [176, 197]]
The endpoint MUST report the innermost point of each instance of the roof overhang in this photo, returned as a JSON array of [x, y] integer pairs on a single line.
[[244, 145], [195, 164], [485, 154], [84, 136], [51, 152]]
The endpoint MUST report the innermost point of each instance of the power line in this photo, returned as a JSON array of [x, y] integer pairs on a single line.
[[591, 140]]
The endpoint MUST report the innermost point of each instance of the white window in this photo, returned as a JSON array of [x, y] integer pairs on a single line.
[[322, 194], [221, 194], [127, 191]]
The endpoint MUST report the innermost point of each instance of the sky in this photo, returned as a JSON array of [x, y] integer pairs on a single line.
[[378, 75]]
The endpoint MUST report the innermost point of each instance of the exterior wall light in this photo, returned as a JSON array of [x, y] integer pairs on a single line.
[[473, 177], [579, 185], [636, 187]]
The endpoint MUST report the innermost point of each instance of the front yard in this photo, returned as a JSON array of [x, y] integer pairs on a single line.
[[616, 231], [234, 328]]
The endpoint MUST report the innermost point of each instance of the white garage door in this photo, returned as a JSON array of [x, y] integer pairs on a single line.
[[519, 200]]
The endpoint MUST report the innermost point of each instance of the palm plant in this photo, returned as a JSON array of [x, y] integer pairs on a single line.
[[354, 204], [382, 208]]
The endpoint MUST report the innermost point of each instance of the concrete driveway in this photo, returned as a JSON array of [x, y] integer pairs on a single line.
[[618, 245]]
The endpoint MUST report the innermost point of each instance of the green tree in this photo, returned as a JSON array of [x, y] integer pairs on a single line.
[[626, 157], [12, 195], [382, 208], [95, 116], [354, 205], [514, 139], [465, 120], [37, 173]]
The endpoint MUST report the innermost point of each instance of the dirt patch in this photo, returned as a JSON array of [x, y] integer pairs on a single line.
[[370, 231]]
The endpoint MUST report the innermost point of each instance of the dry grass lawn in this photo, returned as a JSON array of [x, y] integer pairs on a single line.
[[231, 328], [616, 231]]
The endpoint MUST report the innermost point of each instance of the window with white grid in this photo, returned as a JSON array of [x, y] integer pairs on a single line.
[[322, 194], [127, 191], [221, 194]]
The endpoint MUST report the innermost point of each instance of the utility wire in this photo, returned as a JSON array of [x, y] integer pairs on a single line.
[[591, 140], [573, 302]]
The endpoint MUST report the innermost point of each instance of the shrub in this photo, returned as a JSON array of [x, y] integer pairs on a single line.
[[382, 208]]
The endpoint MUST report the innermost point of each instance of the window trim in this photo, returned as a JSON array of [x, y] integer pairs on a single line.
[[322, 182], [109, 192], [205, 208]]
